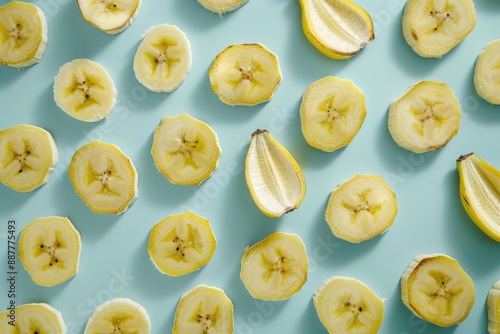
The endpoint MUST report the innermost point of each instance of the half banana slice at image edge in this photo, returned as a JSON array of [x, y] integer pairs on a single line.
[[33, 318], [222, 7], [493, 308], [110, 16], [487, 73]]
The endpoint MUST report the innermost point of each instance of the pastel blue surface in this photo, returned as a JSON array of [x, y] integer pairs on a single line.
[[114, 260]]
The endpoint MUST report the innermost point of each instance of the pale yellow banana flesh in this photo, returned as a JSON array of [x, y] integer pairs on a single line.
[[275, 268], [493, 308], [186, 150], [110, 16], [435, 288], [222, 7], [204, 309], [33, 318], [487, 73]]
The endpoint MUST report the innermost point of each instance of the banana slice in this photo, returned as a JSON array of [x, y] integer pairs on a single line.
[[23, 34], [181, 243], [33, 318], [221, 7], [245, 74], [119, 315], [163, 59], [487, 73], [84, 90], [346, 305], [185, 149], [49, 249], [434, 27], [204, 309], [435, 288], [331, 113], [361, 208], [28, 156], [425, 118], [337, 28], [273, 176], [110, 16], [104, 177], [493, 308], [275, 268]]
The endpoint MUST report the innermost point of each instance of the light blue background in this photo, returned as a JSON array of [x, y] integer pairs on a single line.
[[114, 260]]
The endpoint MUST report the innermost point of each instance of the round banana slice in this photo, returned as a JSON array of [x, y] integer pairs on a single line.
[[204, 309], [487, 73], [33, 318], [28, 156], [425, 118], [49, 249], [185, 149], [346, 305], [221, 7], [104, 177], [23, 34], [493, 308], [163, 59], [434, 27], [275, 268], [181, 243], [331, 113], [245, 74], [119, 315], [435, 288], [110, 16], [84, 90], [361, 208]]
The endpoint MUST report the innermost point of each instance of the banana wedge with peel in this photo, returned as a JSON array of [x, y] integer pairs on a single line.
[[435, 288], [110, 16], [487, 73], [347, 305], [33, 318], [273, 177], [221, 7], [493, 308]]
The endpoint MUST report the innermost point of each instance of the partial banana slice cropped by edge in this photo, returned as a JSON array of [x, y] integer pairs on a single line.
[[425, 118], [163, 59], [337, 28], [273, 177], [493, 308], [181, 243], [23, 34], [434, 27], [361, 208], [119, 315], [49, 249], [185, 149], [84, 90], [28, 156], [331, 113], [204, 309], [245, 74], [33, 318], [110, 16], [104, 177], [480, 193], [347, 305], [487, 73], [275, 268], [435, 288], [222, 7]]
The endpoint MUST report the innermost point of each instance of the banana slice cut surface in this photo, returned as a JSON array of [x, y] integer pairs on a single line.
[[487, 73], [110, 16], [493, 308], [33, 318], [222, 7]]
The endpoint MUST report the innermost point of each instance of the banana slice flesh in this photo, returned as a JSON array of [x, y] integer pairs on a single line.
[[120, 316], [204, 309], [33, 318], [23, 34], [435, 288], [104, 177], [487, 73], [28, 156], [245, 74], [163, 59], [84, 90], [185, 149], [110, 16], [434, 27], [331, 113], [275, 268], [425, 118], [493, 308], [361, 208], [222, 7], [181, 243], [347, 305]]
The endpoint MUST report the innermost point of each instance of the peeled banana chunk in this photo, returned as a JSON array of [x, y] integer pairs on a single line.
[[487, 73], [32, 318], [110, 16], [493, 308], [222, 7]]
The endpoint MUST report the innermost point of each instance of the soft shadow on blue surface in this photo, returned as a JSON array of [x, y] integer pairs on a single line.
[[487, 5], [8, 75], [200, 18], [12, 201], [309, 321]]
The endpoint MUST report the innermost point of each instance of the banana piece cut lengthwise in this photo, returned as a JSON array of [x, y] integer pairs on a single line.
[[347, 305], [110, 16], [487, 73], [493, 308], [33, 318], [435, 288], [221, 7]]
